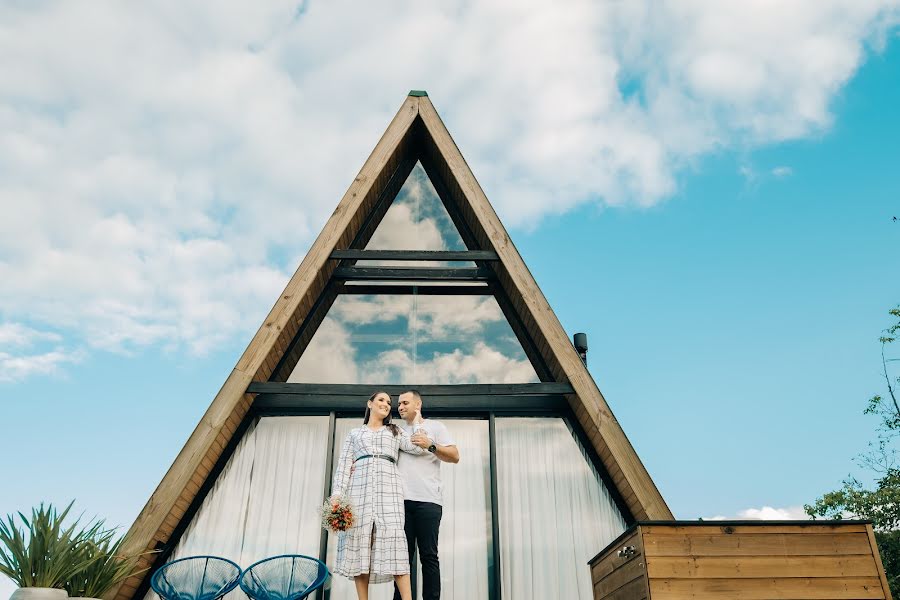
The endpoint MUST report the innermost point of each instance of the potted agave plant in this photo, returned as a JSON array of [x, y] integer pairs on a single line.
[[42, 560], [104, 567]]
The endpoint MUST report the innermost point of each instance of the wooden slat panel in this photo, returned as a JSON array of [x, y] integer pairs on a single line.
[[794, 588], [713, 528], [634, 590], [609, 561], [190, 489], [749, 544], [858, 565], [873, 544], [182, 505], [623, 575], [172, 521]]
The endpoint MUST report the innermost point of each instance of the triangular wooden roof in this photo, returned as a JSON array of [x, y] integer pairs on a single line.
[[415, 133]]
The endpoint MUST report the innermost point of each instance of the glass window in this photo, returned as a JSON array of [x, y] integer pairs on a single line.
[[414, 339], [554, 511], [416, 220], [465, 533]]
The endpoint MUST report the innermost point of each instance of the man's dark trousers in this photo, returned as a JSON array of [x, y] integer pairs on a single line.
[[423, 520]]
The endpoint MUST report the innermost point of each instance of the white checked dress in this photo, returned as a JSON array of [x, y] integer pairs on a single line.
[[376, 544]]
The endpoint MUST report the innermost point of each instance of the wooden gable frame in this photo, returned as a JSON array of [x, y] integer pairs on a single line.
[[415, 133]]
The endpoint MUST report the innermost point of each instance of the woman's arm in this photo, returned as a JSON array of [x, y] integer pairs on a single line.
[[342, 473], [406, 444]]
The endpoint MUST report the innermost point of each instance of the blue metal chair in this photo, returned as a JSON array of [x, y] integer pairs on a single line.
[[196, 578], [284, 577]]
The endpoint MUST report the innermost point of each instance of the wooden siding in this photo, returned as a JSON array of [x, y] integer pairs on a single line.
[[766, 560], [617, 578]]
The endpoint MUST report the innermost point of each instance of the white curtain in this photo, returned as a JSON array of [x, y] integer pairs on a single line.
[[555, 513], [266, 500], [465, 538]]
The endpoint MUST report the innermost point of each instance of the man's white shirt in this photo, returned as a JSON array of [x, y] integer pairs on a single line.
[[421, 475]]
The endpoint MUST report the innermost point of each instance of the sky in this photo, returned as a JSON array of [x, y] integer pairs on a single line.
[[706, 189]]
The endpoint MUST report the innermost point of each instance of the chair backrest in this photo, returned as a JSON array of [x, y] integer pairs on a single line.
[[196, 578], [285, 577]]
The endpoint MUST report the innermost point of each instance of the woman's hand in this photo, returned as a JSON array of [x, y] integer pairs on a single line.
[[421, 440], [418, 420]]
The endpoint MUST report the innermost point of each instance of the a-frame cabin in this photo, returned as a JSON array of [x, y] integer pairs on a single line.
[[413, 282]]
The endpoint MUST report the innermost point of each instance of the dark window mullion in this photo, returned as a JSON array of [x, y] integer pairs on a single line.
[[321, 594], [494, 592]]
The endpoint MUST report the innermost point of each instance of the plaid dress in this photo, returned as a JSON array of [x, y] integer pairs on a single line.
[[376, 544]]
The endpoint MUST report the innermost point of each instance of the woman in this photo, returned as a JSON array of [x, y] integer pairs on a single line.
[[374, 549]]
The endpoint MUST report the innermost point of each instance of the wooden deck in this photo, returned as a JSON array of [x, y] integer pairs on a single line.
[[741, 560]]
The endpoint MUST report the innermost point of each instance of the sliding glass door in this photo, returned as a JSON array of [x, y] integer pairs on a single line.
[[552, 511]]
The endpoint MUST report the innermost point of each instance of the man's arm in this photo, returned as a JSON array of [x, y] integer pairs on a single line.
[[447, 453]]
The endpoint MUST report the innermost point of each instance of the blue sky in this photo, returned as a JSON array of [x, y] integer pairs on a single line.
[[713, 209]]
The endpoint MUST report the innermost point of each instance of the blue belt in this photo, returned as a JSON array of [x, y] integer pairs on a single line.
[[384, 456]]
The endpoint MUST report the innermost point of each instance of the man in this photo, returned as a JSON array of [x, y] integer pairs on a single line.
[[421, 476]]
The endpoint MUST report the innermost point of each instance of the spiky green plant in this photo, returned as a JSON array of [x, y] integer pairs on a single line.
[[49, 554], [106, 567]]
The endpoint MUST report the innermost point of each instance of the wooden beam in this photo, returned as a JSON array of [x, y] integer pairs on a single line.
[[425, 289], [364, 390], [435, 255], [286, 404], [411, 274]]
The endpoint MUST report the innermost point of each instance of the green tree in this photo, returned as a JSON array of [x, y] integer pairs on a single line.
[[881, 503]]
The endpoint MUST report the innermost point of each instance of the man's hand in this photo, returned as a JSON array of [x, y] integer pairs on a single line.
[[421, 440]]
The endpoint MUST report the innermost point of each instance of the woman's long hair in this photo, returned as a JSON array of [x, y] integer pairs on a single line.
[[387, 420]]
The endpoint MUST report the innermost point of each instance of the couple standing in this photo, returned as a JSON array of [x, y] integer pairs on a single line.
[[396, 500]]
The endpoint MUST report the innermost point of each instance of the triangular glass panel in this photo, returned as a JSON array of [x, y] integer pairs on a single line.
[[414, 339], [416, 220]]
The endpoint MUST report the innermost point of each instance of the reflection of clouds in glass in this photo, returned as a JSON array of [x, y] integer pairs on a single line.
[[468, 314], [482, 364], [332, 358], [414, 339], [416, 220], [434, 315], [399, 230], [363, 310], [329, 358]]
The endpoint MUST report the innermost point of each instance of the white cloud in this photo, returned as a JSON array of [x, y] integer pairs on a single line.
[[163, 164], [333, 356], [16, 334], [782, 172], [330, 357], [16, 368], [766, 513], [481, 364]]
